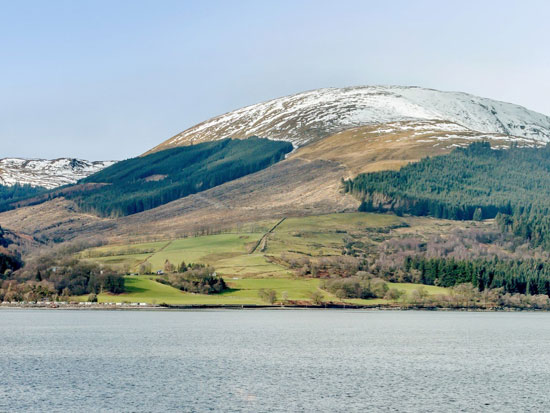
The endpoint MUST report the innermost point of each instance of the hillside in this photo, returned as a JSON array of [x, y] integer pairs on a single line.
[[142, 183], [310, 116], [47, 173], [308, 182], [392, 145], [215, 201], [477, 182], [290, 187], [10, 195]]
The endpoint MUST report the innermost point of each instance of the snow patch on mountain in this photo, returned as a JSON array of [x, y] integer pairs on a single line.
[[313, 115], [47, 173], [439, 130]]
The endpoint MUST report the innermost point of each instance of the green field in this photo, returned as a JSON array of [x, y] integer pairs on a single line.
[[245, 272], [242, 291], [229, 253]]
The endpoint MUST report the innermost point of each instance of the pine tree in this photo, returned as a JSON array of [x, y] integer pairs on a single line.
[[478, 215]]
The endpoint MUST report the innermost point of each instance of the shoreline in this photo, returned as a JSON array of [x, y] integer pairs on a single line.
[[194, 307]]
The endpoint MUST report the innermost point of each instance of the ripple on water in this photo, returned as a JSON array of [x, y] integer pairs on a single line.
[[273, 361]]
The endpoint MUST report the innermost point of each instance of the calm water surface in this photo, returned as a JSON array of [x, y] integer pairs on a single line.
[[273, 361]]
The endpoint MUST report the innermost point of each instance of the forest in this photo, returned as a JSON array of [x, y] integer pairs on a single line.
[[531, 277], [142, 183], [476, 182], [10, 195]]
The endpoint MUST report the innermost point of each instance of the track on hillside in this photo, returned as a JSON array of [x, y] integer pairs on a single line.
[[253, 250]]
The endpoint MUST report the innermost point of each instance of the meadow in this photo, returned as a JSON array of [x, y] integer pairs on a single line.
[[145, 289], [229, 253], [245, 269]]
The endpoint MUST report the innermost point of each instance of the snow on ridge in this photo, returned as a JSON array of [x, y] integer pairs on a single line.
[[312, 115], [421, 127], [47, 173], [434, 131]]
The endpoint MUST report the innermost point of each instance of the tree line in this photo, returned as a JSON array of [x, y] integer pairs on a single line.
[[10, 195], [531, 277], [476, 182], [142, 183]]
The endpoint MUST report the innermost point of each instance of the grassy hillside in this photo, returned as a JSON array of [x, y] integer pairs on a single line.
[[296, 256], [229, 253], [277, 261], [316, 236], [242, 292], [146, 182]]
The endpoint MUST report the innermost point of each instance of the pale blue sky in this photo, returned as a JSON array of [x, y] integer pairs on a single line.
[[111, 79]]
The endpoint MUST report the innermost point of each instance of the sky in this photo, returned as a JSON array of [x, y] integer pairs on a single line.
[[111, 79]]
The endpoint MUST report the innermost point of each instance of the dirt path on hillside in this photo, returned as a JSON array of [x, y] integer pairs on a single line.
[[264, 237], [151, 255]]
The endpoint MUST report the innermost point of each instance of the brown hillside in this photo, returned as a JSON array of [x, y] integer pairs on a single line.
[[292, 187], [391, 146], [307, 183]]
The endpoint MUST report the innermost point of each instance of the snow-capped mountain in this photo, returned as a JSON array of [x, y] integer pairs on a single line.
[[309, 116], [47, 173]]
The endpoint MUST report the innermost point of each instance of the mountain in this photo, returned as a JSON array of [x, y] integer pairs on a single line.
[[310, 116], [47, 173], [466, 178], [337, 134]]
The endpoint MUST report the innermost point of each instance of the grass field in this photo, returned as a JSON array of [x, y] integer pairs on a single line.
[[229, 252], [245, 272], [242, 291], [323, 234]]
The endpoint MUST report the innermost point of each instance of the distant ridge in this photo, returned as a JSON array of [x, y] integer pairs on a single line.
[[47, 173]]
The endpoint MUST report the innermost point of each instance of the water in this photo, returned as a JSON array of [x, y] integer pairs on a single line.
[[273, 361]]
